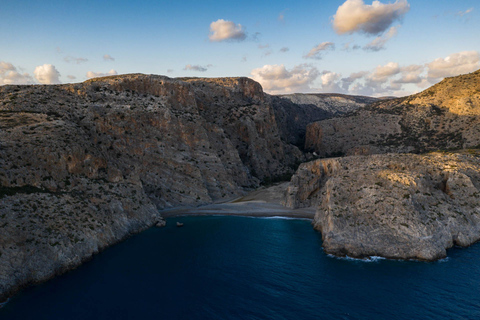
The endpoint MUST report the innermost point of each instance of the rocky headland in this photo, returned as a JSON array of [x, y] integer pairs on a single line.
[[400, 206]]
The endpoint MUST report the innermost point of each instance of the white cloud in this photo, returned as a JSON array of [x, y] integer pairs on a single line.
[[169, 70], [197, 67], [277, 79], [360, 89], [379, 42], [10, 75], [91, 74], [263, 46], [391, 79], [284, 49], [222, 30], [330, 82], [410, 74], [454, 64], [382, 73], [107, 57], [316, 52], [71, 77], [356, 16], [47, 74], [71, 59], [347, 82]]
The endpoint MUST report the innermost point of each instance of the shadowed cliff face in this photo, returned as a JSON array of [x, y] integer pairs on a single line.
[[84, 165], [445, 116], [294, 112], [400, 206]]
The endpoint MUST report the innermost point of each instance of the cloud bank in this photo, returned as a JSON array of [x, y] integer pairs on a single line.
[[390, 79], [10, 75], [454, 64], [356, 16], [277, 79]]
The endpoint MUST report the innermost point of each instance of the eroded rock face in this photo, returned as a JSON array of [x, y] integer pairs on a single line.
[[400, 206], [292, 119], [82, 166], [445, 116]]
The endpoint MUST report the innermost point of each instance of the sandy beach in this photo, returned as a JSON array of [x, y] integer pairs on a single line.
[[263, 202]]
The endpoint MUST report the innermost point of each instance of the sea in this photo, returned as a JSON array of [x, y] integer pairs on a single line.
[[224, 267]]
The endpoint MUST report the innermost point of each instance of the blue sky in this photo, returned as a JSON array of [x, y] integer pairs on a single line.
[[418, 42]]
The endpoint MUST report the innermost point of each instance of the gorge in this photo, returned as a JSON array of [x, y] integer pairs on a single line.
[[83, 166]]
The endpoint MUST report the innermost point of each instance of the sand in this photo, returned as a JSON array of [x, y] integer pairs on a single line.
[[263, 202]]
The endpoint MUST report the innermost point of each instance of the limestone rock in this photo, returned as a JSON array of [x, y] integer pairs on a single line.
[[400, 206]]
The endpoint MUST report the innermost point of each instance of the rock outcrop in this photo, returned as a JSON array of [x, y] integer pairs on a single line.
[[83, 166], [400, 206], [445, 116]]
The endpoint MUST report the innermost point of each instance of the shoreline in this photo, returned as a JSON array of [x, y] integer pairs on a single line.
[[261, 203], [243, 209]]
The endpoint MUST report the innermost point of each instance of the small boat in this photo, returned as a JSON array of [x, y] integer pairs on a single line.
[[179, 224]]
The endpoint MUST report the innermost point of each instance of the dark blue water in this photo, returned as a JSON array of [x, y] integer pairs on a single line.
[[251, 268]]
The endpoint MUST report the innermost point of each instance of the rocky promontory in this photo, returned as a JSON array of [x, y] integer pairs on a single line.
[[400, 206]]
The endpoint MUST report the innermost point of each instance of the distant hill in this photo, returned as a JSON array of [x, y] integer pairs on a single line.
[[445, 116], [334, 103]]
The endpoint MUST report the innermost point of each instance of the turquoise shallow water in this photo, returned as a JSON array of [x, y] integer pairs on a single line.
[[251, 268]]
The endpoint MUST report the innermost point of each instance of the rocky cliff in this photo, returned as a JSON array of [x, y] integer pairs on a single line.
[[445, 116], [400, 206], [294, 112], [84, 165], [292, 119]]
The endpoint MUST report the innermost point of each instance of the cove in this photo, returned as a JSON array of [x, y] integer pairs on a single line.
[[222, 267]]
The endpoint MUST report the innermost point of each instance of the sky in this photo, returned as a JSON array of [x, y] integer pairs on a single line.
[[379, 48]]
